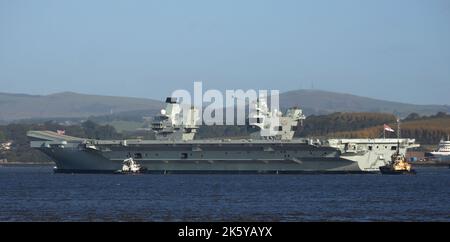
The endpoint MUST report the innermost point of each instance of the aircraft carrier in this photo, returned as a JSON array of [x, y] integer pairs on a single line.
[[271, 149]]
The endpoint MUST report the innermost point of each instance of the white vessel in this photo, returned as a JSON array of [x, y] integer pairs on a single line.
[[443, 149]]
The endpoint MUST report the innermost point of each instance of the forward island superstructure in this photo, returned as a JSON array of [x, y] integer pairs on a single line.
[[272, 148]]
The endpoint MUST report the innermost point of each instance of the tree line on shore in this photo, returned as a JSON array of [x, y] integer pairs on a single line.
[[427, 130]]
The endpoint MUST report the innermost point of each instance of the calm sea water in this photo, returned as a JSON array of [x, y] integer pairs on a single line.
[[34, 193]]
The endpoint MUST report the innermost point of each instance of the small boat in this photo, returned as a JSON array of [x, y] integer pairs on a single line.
[[397, 166], [130, 166]]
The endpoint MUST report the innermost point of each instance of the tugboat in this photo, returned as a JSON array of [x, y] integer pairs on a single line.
[[131, 167], [398, 164]]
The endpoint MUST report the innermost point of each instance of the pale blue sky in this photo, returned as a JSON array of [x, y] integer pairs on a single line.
[[390, 49]]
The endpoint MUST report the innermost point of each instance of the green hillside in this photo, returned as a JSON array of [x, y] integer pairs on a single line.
[[73, 105], [324, 102], [323, 125], [68, 105]]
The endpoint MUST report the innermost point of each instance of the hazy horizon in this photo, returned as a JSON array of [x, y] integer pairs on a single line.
[[389, 50]]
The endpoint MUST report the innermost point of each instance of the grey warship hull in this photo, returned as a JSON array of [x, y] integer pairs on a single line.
[[76, 155]]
